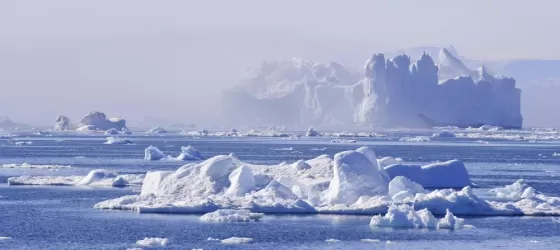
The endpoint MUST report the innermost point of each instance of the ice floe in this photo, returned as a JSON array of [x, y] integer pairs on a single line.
[[349, 183], [117, 140], [153, 242], [404, 216], [5, 238], [33, 166], [98, 177], [237, 240], [231, 215]]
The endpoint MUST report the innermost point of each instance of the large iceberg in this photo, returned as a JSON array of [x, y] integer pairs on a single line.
[[98, 121], [349, 183], [391, 92], [62, 123]]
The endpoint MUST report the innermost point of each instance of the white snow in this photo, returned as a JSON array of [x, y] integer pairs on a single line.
[[117, 140], [401, 184], [231, 215], [189, 153], [153, 242], [386, 161], [98, 177], [404, 216], [152, 153], [237, 240], [449, 174]]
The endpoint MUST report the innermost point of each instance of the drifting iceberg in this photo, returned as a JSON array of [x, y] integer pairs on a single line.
[[117, 140], [231, 215], [152, 153], [311, 132], [189, 153], [391, 92], [156, 130], [98, 121]]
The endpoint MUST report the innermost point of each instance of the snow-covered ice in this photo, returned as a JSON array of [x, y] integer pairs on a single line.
[[98, 121], [237, 240], [349, 183], [153, 242], [231, 215]]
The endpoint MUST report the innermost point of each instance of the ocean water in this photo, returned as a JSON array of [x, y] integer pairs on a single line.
[[52, 217]]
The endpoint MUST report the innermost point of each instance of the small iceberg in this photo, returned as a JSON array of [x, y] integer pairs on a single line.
[[231, 215], [152, 153], [156, 130], [311, 132], [404, 216], [189, 153]]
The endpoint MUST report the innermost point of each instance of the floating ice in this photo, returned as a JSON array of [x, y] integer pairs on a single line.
[[189, 153], [153, 242], [98, 177], [152, 153], [404, 216], [332, 240], [450, 174], [237, 240], [5, 238], [386, 161], [443, 134], [402, 184], [117, 140], [33, 166], [370, 240], [415, 139], [231, 215], [23, 143]]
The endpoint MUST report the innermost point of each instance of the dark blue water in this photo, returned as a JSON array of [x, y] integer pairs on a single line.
[[64, 217]]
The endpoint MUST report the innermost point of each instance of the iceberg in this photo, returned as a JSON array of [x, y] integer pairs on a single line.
[[449, 174], [311, 132], [189, 153], [156, 130], [231, 215], [62, 123], [98, 121], [391, 92], [152, 153]]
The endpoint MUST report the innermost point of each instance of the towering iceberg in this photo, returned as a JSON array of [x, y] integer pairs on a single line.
[[391, 92], [62, 123]]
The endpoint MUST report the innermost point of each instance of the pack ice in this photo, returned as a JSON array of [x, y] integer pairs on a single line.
[[352, 182]]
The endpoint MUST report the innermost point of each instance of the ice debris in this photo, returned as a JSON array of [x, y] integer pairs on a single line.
[[404, 216], [117, 140]]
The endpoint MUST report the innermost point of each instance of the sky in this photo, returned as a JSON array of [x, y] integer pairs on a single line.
[[170, 59]]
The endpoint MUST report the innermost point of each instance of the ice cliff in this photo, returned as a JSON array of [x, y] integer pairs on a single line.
[[390, 92]]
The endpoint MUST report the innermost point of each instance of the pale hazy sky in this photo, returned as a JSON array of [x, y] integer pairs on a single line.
[[166, 58]]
